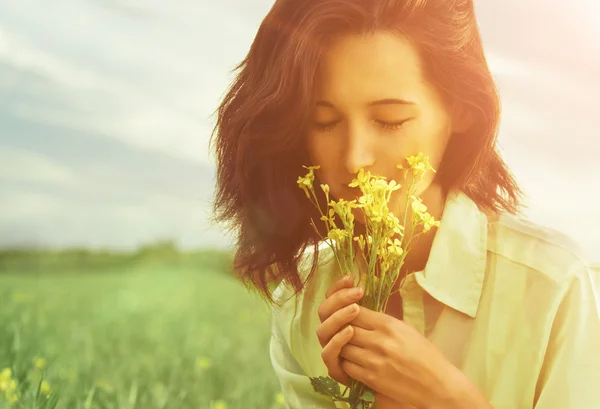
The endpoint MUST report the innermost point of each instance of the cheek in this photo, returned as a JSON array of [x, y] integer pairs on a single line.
[[319, 148], [321, 153], [430, 136]]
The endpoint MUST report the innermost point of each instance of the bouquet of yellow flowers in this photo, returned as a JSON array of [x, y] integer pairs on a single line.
[[384, 248]]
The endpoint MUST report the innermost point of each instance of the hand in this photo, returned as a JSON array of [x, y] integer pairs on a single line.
[[335, 313], [399, 364]]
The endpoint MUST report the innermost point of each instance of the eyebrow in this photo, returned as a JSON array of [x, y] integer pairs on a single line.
[[385, 101]]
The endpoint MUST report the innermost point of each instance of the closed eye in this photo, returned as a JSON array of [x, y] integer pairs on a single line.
[[327, 126], [391, 125]]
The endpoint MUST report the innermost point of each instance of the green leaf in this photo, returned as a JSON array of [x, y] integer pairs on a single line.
[[326, 386], [368, 396]]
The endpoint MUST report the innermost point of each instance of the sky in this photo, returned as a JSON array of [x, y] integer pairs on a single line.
[[105, 115]]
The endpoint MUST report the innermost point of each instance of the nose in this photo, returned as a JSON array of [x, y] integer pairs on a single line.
[[359, 149]]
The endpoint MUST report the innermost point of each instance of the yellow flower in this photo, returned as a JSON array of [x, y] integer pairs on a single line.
[[306, 182], [6, 383], [45, 387], [279, 399], [325, 189], [40, 363], [361, 242], [362, 179], [429, 222], [421, 214], [393, 224], [202, 362], [337, 235], [420, 164], [392, 186], [219, 404], [6, 374], [330, 219], [417, 205], [395, 247], [304, 185], [344, 209]]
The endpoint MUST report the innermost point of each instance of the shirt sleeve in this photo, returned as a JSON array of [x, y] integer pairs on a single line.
[[570, 375], [296, 388]]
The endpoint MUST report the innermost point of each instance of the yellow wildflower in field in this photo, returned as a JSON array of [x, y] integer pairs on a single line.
[[279, 400], [8, 386], [45, 388], [5, 376], [202, 362], [40, 363], [219, 404]]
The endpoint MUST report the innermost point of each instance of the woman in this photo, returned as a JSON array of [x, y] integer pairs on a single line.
[[496, 312]]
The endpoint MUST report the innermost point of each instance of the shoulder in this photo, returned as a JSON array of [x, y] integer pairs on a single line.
[[536, 247], [542, 275]]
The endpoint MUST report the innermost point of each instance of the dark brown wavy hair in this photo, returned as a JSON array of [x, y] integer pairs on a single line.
[[262, 120]]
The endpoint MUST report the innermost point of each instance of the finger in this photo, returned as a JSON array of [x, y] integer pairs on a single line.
[[355, 371], [369, 319], [343, 282], [336, 322], [360, 356], [338, 300], [331, 355], [363, 338]]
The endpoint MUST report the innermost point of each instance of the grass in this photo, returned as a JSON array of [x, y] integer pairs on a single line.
[[135, 337]]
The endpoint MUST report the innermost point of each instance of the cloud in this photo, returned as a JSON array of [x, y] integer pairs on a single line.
[[23, 166], [106, 105]]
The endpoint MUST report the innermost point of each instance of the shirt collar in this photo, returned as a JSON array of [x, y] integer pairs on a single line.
[[456, 266]]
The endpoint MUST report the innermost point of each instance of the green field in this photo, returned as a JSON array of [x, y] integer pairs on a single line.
[[134, 337]]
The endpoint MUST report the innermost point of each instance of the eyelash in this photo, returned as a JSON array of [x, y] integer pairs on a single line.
[[390, 126]]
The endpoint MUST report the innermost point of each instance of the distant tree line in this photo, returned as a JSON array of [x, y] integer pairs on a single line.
[[159, 253]]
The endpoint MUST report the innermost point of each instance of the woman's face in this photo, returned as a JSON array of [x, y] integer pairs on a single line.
[[374, 108]]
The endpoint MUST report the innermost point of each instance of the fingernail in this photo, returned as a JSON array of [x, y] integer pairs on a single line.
[[357, 291]]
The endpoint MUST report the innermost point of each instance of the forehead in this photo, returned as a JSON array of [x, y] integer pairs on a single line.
[[358, 67]]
